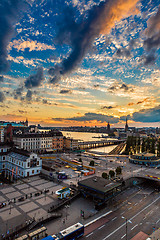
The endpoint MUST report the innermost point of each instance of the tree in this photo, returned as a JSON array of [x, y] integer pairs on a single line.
[[111, 173], [91, 163], [118, 170], [104, 175], [80, 159]]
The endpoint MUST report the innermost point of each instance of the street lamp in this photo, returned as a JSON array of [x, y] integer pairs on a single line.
[[126, 225]]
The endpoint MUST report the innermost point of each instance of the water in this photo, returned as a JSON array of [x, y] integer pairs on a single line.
[[86, 136]]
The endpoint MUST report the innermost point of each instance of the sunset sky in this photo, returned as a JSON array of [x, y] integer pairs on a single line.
[[80, 62]]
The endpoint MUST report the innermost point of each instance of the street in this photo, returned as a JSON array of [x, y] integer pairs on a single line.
[[139, 212]]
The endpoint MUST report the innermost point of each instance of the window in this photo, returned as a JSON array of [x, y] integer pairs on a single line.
[[32, 171], [37, 162]]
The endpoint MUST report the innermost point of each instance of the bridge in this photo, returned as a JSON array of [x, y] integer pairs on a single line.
[[96, 144]]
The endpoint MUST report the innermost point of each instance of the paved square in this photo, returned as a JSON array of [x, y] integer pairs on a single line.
[[29, 190], [5, 214], [38, 182], [29, 206], [22, 186], [13, 195], [38, 214], [7, 190], [2, 199], [45, 201]]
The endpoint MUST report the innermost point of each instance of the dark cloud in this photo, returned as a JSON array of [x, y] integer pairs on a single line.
[[2, 97], [107, 107], [124, 86], [152, 42], [81, 35], [117, 86], [123, 52], [45, 101], [147, 115], [22, 112], [29, 95], [36, 79], [95, 116], [9, 14], [149, 59], [65, 91], [153, 32], [1, 79], [18, 92]]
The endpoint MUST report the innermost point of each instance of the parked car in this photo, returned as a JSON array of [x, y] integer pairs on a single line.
[[2, 205], [21, 199]]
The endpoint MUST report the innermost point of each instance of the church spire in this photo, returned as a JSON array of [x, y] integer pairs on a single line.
[[126, 126]]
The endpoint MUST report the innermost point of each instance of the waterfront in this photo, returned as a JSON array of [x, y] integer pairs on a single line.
[[87, 136]]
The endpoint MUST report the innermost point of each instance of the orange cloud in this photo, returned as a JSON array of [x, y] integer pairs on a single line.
[[115, 10]]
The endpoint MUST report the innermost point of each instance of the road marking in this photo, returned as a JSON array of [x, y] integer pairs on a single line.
[[158, 221], [123, 236], [129, 208], [134, 227], [86, 225], [101, 226], [132, 218], [114, 218], [89, 234], [135, 204], [122, 213]]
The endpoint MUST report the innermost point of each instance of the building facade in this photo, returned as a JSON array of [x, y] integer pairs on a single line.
[[39, 142], [147, 159], [16, 163], [70, 143]]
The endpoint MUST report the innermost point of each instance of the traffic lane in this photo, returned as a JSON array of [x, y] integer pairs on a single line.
[[117, 220], [118, 231]]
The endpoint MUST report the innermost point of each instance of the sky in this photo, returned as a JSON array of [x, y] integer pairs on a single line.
[[80, 62]]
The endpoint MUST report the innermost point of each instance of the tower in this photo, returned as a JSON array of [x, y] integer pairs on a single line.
[[126, 126], [26, 123], [108, 128]]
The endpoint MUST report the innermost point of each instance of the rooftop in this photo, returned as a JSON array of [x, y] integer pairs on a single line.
[[38, 135], [100, 184]]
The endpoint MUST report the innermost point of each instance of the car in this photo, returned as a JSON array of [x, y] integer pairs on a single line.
[[2, 205], [21, 199]]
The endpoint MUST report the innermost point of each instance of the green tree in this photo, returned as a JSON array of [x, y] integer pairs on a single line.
[[91, 163], [111, 173], [104, 175], [118, 170], [80, 159]]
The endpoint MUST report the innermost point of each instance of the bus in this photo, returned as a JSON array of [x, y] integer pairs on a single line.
[[71, 233]]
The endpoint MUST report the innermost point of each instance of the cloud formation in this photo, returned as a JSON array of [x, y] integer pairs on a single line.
[[36, 79], [9, 14], [95, 116], [30, 45], [147, 115], [29, 95], [101, 19], [2, 97], [153, 32], [65, 91]]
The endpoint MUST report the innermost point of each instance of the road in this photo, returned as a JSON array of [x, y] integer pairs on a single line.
[[140, 210]]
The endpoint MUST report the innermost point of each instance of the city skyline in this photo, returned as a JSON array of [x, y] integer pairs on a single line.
[[80, 63]]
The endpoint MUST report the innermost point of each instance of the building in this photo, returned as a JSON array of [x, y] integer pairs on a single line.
[[108, 128], [70, 143], [99, 189], [126, 126], [57, 143], [17, 163], [147, 159], [39, 142], [2, 133]]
